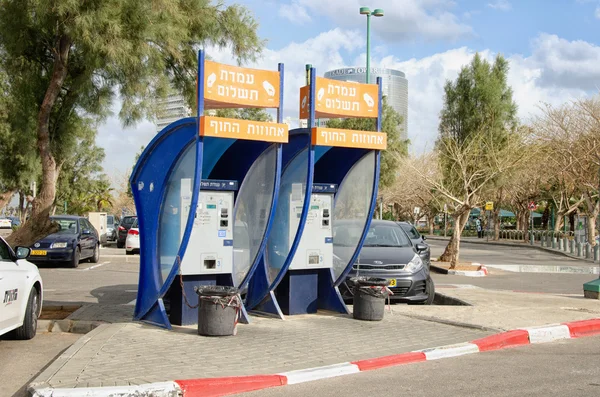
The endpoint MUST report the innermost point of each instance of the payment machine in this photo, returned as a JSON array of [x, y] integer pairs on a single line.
[[210, 249], [315, 250]]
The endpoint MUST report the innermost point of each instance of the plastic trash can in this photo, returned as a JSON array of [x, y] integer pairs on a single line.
[[369, 298], [218, 311]]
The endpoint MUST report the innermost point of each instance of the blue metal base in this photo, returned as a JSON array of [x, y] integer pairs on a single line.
[[269, 305], [157, 315], [306, 291], [182, 314]]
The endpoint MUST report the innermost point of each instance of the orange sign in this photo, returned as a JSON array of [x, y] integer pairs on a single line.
[[349, 138], [227, 86], [340, 99], [221, 127]]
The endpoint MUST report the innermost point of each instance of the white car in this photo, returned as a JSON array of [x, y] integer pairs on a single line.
[[5, 223], [21, 291], [132, 242]]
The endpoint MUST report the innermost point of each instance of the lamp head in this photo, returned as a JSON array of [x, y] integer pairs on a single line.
[[378, 12], [365, 11]]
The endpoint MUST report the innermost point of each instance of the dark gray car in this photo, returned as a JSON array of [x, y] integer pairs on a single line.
[[417, 238], [388, 253]]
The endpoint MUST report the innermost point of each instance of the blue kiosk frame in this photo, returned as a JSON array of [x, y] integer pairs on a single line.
[[305, 291], [180, 150]]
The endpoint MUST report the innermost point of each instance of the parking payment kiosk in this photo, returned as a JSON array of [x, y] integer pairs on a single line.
[[205, 190], [328, 193]]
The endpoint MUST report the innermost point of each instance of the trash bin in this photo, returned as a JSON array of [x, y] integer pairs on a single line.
[[369, 298], [218, 311]]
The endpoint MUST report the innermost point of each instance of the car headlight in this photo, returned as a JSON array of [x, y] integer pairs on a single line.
[[414, 265], [59, 245]]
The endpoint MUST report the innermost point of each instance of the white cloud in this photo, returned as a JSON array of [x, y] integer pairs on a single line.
[[597, 12], [295, 13], [404, 20], [556, 71], [501, 5]]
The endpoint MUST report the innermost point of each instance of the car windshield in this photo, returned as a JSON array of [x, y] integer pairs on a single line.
[[134, 225], [410, 230], [110, 220], [378, 236], [128, 220], [67, 225], [386, 236]]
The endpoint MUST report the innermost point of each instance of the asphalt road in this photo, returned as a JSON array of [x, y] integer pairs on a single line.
[[564, 368], [20, 361], [556, 283]]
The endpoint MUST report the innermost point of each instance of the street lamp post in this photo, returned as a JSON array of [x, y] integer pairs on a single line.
[[378, 12]]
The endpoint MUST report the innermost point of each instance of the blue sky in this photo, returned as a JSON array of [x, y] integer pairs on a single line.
[[552, 46]]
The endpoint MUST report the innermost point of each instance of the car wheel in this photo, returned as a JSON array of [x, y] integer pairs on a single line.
[[120, 245], [96, 257], [29, 327], [76, 257], [127, 252]]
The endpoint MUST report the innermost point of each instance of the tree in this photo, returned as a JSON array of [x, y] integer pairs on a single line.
[[391, 123], [477, 142], [67, 59]]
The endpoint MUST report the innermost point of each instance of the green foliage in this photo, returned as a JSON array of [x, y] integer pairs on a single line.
[[255, 114], [391, 124], [475, 122]]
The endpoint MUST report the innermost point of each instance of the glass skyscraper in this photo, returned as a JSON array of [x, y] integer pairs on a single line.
[[395, 87]]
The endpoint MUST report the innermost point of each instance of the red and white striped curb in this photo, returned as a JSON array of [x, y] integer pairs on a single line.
[[215, 387]]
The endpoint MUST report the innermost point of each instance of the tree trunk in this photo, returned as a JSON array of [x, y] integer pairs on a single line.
[[496, 219], [526, 223], [39, 224], [519, 217], [431, 231], [22, 207], [6, 197], [451, 253]]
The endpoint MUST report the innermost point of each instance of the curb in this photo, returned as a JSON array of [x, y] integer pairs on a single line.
[[215, 387], [467, 273], [509, 244]]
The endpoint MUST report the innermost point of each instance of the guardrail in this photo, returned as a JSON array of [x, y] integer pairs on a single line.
[[558, 240]]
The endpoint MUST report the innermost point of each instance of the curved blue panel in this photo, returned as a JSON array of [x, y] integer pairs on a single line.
[[213, 149], [148, 184]]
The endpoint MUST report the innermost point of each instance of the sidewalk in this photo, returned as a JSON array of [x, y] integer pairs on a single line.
[[130, 353], [475, 240]]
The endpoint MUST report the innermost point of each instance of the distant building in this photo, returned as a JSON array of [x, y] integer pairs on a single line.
[[171, 109], [395, 87]]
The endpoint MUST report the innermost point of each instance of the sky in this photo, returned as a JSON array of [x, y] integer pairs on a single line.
[[553, 48]]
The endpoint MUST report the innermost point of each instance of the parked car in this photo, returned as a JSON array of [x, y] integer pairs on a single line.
[[124, 227], [75, 241], [132, 242], [5, 223], [111, 228], [388, 253], [417, 238], [22, 289]]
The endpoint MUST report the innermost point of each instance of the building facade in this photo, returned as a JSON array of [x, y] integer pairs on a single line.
[[395, 87], [171, 109]]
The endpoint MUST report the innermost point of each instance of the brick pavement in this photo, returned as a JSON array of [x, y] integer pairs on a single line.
[[133, 353]]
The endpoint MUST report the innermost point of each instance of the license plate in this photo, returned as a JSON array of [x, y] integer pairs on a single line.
[[392, 282], [43, 253]]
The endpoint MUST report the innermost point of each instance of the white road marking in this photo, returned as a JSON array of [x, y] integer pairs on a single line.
[[96, 266], [132, 303]]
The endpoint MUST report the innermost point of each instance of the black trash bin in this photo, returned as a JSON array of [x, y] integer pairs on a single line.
[[369, 298], [218, 311]]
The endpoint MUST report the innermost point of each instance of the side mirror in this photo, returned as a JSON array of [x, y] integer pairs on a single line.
[[86, 232], [421, 248], [22, 252], [423, 237]]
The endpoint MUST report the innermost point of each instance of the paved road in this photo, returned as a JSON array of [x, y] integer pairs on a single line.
[[528, 282], [566, 368], [20, 361]]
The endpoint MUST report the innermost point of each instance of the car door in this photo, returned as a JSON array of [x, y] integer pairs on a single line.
[[12, 290], [87, 240]]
